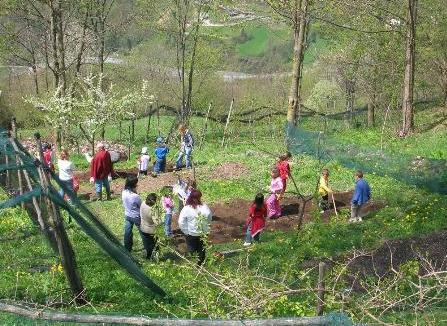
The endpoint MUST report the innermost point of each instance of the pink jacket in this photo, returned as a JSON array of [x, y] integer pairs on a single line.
[[276, 185]]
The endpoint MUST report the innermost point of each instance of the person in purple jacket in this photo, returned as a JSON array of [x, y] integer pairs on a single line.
[[362, 194]]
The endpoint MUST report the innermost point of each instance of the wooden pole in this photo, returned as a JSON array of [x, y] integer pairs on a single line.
[[44, 227], [19, 171], [42, 314], [158, 119], [8, 176], [320, 289], [63, 243], [333, 202], [205, 127], [228, 121], [148, 126]]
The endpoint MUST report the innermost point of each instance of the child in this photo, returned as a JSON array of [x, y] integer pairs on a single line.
[[256, 220], [149, 220], [143, 161], [362, 194], [183, 189], [168, 205], [48, 156], [160, 156], [284, 168], [324, 190], [276, 188]]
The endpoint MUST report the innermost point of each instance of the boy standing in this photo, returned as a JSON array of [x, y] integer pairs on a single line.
[[362, 195], [186, 148]]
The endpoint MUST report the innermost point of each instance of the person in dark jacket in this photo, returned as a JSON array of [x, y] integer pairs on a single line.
[[101, 169], [362, 194]]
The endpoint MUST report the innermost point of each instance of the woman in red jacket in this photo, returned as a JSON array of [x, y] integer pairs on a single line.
[[256, 219]]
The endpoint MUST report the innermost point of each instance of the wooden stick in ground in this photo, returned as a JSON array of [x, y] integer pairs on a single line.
[[19, 171], [228, 121], [63, 243], [205, 127], [333, 202], [43, 224], [320, 289]]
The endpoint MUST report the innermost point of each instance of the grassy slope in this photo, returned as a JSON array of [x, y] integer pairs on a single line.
[[414, 213]]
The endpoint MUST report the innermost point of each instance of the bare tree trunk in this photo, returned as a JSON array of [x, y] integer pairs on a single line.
[[407, 107], [371, 118], [61, 46], [350, 91], [54, 24], [298, 50]]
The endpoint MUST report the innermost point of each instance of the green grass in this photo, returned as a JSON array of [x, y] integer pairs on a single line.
[[408, 212], [257, 43]]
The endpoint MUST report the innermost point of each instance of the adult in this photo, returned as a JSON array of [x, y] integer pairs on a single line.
[[186, 147], [101, 169], [132, 204], [194, 222], [66, 172], [150, 218], [362, 194]]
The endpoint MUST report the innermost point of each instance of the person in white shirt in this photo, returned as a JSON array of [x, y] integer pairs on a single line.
[[143, 161], [66, 172], [194, 221]]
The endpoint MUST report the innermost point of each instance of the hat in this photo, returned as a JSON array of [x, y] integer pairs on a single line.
[[159, 140], [100, 145], [144, 150]]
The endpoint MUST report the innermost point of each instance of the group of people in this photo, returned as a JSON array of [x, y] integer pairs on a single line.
[[262, 209], [194, 217], [161, 151]]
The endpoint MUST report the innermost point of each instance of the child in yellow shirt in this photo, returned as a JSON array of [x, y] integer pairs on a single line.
[[324, 190]]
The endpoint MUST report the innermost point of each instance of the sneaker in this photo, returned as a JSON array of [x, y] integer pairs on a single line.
[[359, 219], [352, 220], [321, 212], [246, 244]]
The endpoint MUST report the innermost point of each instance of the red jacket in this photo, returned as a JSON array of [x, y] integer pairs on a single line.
[[284, 169], [101, 165], [48, 158], [257, 219]]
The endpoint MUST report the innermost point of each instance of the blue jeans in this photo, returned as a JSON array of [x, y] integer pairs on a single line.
[[249, 238], [187, 151], [99, 183], [168, 220], [68, 184], [159, 165], [128, 235]]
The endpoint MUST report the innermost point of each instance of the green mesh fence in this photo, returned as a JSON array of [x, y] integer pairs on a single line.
[[12, 160], [426, 173]]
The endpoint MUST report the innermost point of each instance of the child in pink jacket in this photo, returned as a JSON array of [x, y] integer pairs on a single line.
[[275, 189]]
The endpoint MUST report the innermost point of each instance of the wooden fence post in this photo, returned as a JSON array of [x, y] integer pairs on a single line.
[[63, 242], [228, 121], [320, 289], [19, 171]]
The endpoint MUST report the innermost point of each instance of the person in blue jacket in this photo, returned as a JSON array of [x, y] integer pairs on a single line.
[[362, 194], [161, 151]]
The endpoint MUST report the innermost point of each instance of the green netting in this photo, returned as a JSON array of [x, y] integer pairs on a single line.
[[88, 222], [21, 199], [426, 173]]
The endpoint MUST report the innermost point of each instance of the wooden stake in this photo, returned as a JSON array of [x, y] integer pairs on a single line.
[[228, 121], [19, 171], [333, 202], [320, 289], [63, 243]]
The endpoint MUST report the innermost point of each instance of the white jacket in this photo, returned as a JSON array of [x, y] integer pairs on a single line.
[[195, 221]]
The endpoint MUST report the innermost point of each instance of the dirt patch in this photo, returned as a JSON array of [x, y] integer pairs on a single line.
[[230, 170], [390, 256], [145, 183]]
